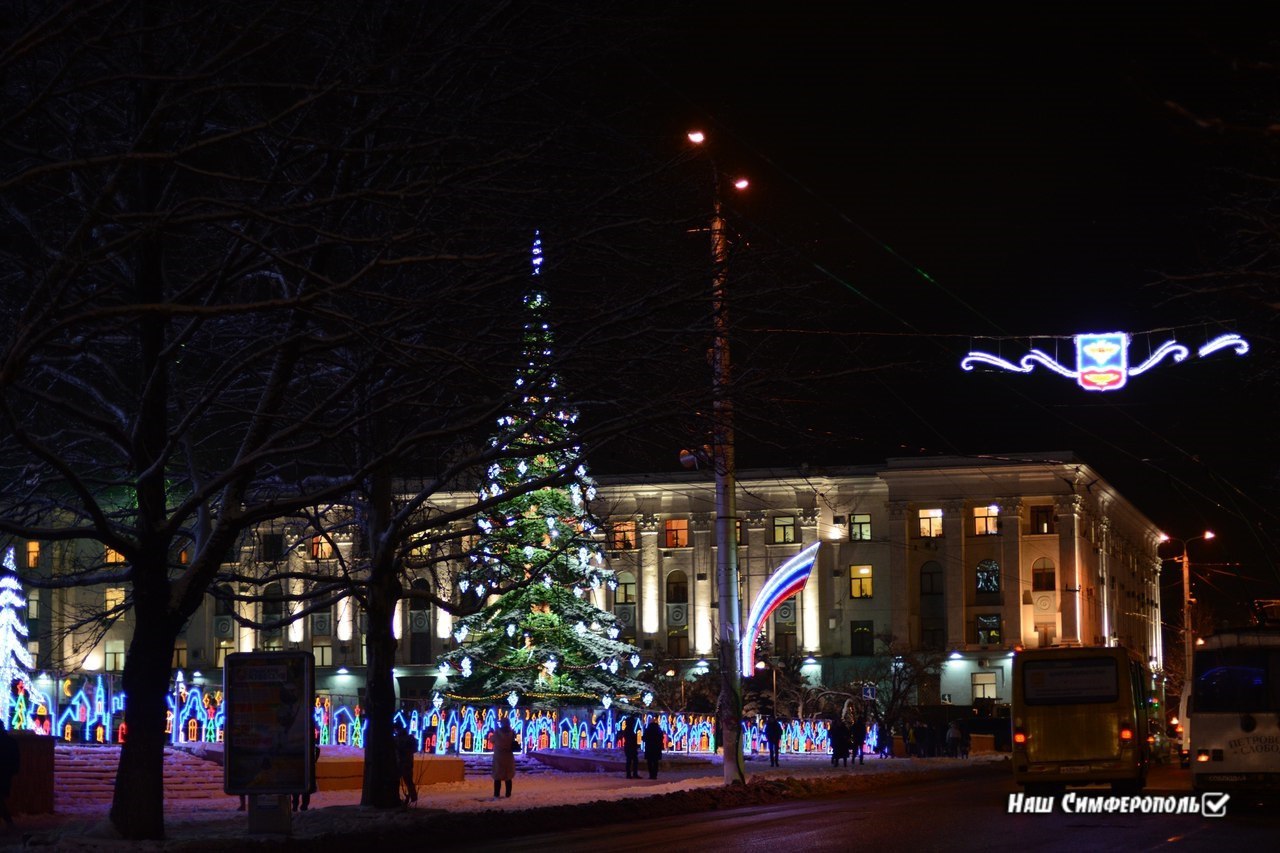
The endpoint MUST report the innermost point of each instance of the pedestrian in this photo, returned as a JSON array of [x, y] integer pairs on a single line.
[[965, 742], [405, 747], [304, 800], [9, 763], [884, 739], [631, 746], [504, 756], [857, 737], [953, 739], [773, 736], [653, 743], [839, 742]]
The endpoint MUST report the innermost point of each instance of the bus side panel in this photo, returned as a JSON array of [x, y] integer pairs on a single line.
[[1236, 759]]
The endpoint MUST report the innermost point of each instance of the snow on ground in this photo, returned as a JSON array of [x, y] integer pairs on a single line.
[[453, 812]]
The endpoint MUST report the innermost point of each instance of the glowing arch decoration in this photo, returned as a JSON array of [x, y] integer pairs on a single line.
[[1102, 359], [780, 586]]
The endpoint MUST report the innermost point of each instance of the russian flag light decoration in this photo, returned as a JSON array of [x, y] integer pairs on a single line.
[[780, 586]]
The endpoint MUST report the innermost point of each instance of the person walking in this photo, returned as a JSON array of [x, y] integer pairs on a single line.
[[405, 747], [10, 760], [653, 743], [953, 739], [773, 736], [504, 756], [858, 737], [631, 746], [839, 742]]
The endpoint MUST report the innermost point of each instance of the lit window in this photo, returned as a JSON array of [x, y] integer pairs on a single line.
[[988, 626], [114, 599], [111, 555], [321, 548], [323, 653], [115, 655], [986, 520], [1043, 519], [984, 685], [622, 536], [784, 529], [860, 527], [33, 605], [626, 591], [33, 555], [859, 581], [677, 530], [988, 576], [930, 523], [179, 657]]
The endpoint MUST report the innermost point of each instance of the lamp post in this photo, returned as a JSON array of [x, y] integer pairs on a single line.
[[730, 705], [1187, 640], [671, 673], [774, 670]]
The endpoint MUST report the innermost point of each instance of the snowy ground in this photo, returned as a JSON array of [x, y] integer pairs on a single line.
[[452, 813]]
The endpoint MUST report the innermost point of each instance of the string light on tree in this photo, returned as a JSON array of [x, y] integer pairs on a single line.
[[15, 658], [543, 638]]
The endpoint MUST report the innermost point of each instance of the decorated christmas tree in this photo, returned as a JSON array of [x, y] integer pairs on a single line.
[[541, 639], [15, 657]]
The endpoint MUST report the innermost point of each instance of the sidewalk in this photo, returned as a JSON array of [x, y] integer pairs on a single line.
[[455, 812]]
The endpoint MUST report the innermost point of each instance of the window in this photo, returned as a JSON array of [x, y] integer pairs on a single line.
[[862, 638], [1043, 520], [784, 529], [321, 548], [930, 523], [988, 625], [626, 591], [859, 581], [931, 579], [986, 520], [273, 613], [115, 655], [180, 656], [1044, 578], [1046, 633], [678, 644], [677, 530], [933, 633], [33, 555], [860, 527], [677, 588], [323, 653], [271, 547], [33, 605], [112, 556], [785, 643], [224, 648], [184, 557], [113, 599], [622, 536], [988, 576], [222, 604], [984, 685]]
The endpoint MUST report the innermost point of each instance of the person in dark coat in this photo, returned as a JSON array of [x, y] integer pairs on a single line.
[[857, 737], [773, 736], [504, 756], [405, 746], [9, 763], [839, 742], [631, 746], [653, 743]]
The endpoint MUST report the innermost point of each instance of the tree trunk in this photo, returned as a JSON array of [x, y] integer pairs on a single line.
[[137, 806], [381, 779]]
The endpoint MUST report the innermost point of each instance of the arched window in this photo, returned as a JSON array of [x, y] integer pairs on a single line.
[[626, 591], [677, 588], [1044, 576]]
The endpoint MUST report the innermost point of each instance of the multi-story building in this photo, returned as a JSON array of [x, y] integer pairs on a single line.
[[970, 556]]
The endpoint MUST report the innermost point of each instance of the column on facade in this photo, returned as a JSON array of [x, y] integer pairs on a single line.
[[702, 618], [649, 580], [753, 566], [904, 581], [1017, 612], [809, 619], [1068, 511], [953, 556]]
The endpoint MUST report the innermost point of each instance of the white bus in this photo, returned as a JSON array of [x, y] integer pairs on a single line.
[[1235, 712]]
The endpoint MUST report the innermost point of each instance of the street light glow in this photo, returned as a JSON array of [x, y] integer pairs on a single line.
[[697, 137]]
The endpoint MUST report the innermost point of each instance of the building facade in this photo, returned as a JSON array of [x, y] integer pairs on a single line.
[[968, 556]]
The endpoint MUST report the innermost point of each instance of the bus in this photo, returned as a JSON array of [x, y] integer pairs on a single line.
[[1235, 710], [1081, 715]]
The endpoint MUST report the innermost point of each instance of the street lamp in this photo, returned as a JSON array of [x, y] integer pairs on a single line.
[[1187, 643], [671, 673], [726, 508]]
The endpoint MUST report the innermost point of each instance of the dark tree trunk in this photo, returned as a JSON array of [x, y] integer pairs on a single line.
[[381, 779]]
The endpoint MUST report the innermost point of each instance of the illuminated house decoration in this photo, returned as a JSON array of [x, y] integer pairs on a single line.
[[1102, 359], [781, 585], [15, 659]]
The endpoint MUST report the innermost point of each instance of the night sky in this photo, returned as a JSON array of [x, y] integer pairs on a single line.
[[978, 180]]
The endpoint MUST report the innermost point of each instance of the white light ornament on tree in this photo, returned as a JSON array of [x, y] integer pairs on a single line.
[[15, 658]]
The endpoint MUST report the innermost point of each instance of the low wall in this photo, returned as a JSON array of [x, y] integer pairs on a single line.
[[345, 774], [32, 789]]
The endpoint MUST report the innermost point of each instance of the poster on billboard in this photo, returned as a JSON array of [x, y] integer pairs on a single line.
[[269, 697]]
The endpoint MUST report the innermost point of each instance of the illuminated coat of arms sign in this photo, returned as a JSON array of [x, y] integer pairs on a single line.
[[1102, 359]]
